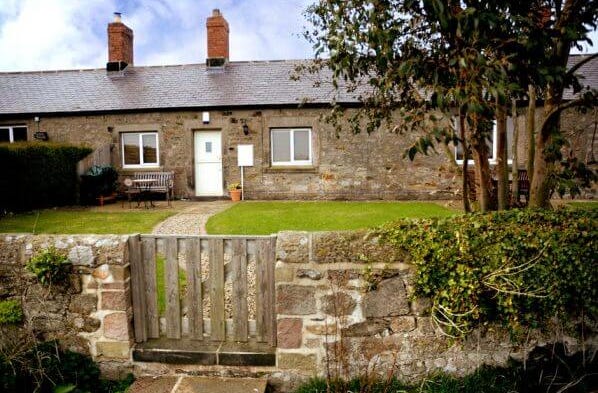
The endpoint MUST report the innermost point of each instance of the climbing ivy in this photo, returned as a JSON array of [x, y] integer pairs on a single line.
[[519, 268]]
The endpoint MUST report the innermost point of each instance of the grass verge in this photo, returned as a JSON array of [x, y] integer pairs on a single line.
[[82, 221], [263, 218]]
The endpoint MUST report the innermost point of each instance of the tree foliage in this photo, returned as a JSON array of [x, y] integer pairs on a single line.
[[427, 61]]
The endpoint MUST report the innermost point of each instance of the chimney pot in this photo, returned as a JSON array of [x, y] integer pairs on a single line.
[[117, 17], [216, 12]]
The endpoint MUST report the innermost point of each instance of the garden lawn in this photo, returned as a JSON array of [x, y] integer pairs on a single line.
[[82, 221], [586, 205], [262, 218]]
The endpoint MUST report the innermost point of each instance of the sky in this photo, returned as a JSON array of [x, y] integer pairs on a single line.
[[71, 34]]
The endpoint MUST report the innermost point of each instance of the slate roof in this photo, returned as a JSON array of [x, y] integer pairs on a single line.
[[588, 74], [241, 84], [260, 83]]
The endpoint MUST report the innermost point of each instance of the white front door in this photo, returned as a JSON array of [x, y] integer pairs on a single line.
[[208, 163]]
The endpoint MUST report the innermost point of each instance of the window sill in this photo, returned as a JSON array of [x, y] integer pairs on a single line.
[[141, 168], [291, 169]]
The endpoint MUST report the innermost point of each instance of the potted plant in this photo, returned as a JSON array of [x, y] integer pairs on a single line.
[[235, 191]]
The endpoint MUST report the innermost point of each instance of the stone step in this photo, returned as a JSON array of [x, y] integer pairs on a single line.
[[199, 353], [192, 384]]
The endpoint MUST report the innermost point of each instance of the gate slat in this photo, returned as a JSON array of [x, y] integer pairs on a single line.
[[261, 288], [271, 314], [194, 292], [216, 252], [239, 298], [171, 280], [150, 287], [137, 288]]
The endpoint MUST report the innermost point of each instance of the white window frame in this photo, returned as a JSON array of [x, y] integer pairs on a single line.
[[140, 135], [492, 159], [292, 162], [11, 136]]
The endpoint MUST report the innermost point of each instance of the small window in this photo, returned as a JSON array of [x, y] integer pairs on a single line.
[[13, 134], [492, 145], [291, 146], [140, 149]]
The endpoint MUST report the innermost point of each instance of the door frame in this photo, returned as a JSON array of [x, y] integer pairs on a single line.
[[195, 164]]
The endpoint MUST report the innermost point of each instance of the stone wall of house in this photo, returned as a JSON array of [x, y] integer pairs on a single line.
[[344, 306], [345, 166], [92, 313]]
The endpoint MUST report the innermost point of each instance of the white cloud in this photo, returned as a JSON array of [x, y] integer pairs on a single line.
[[51, 35], [64, 34]]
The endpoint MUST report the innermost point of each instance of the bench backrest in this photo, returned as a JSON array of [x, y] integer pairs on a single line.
[[162, 179]]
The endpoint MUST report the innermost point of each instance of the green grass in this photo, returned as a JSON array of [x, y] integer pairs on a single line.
[[587, 205], [263, 218], [160, 283], [81, 221], [486, 379]]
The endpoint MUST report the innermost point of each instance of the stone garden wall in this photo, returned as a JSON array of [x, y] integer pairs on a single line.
[[344, 307], [92, 313]]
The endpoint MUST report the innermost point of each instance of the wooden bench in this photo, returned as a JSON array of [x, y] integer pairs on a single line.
[[523, 181], [163, 183]]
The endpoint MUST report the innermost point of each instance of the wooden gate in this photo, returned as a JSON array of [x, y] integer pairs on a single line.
[[212, 288]]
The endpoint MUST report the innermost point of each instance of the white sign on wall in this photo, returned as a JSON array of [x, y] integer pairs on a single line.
[[245, 155]]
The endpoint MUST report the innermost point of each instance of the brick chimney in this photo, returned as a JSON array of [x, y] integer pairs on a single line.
[[218, 31], [120, 45]]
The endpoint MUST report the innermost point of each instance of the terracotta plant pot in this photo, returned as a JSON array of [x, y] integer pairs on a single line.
[[235, 195]]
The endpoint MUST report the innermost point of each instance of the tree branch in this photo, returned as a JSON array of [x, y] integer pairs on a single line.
[[559, 109]]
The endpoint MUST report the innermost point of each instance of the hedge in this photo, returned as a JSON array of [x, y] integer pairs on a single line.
[[520, 268], [37, 175]]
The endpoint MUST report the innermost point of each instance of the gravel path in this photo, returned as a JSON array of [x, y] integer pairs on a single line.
[[191, 220]]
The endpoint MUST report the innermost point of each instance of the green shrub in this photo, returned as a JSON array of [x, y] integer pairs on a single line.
[[11, 312], [519, 267], [38, 175], [50, 266]]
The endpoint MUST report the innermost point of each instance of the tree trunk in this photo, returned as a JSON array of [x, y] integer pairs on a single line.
[[539, 192], [502, 173], [515, 164], [530, 131], [466, 185], [482, 168], [543, 162]]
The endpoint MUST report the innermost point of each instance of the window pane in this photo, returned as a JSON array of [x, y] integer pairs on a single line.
[[301, 145], [4, 135], [490, 144], [150, 149], [281, 146], [131, 149], [19, 134]]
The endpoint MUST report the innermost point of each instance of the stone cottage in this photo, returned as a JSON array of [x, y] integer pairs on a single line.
[[191, 119]]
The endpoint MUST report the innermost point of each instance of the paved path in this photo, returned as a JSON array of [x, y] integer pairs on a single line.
[[190, 384], [191, 220]]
